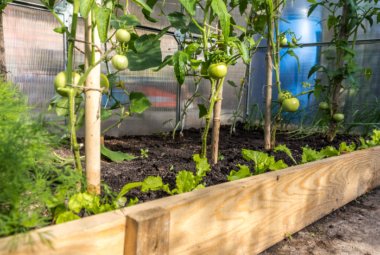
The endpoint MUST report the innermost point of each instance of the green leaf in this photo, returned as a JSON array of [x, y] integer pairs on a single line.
[[329, 152], [243, 4], [150, 58], [219, 7], [343, 147], [244, 53], [124, 21], [291, 53], [314, 69], [112, 79], [105, 114], [282, 147], [242, 173], [81, 119], [185, 181], [240, 28], [260, 24], [56, 98], [317, 91], [349, 50], [127, 188], [142, 4], [102, 20], [378, 18], [376, 136], [180, 61], [278, 165], [312, 1], [195, 63], [62, 107], [146, 13], [151, 183], [189, 5], [115, 156], [61, 208], [133, 201], [66, 217], [178, 19], [85, 7], [140, 102], [145, 42], [193, 28], [261, 159], [368, 73], [311, 9], [189, 50], [120, 203], [232, 84], [310, 155], [201, 165], [60, 30], [202, 110], [167, 61]]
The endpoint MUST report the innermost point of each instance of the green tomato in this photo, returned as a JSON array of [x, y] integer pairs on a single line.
[[283, 41], [119, 62], [291, 104], [323, 106], [217, 71], [123, 36], [61, 80], [338, 117], [284, 95], [104, 83], [294, 40]]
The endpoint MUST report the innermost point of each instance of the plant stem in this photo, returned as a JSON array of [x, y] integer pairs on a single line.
[[72, 119]]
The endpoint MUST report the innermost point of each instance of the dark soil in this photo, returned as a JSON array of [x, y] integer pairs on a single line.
[[165, 153]]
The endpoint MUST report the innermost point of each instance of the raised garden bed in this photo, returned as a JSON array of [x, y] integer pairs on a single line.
[[241, 217]]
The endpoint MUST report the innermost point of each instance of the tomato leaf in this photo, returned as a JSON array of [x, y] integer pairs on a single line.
[[291, 53], [243, 4], [62, 107], [314, 69], [85, 7], [151, 57], [105, 114], [167, 61], [115, 156], [232, 84], [81, 119], [178, 19], [146, 13], [189, 5], [202, 110], [311, 9], [195, 63], [60, 30], [219, 7], [189, 50], [124, 21], [180, 61], [349, 50], [102, 17], [242, 173], [140, 102], [368, 73], [142, 4]]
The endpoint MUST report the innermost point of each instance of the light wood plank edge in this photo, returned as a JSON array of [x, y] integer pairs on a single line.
[[244, 216]]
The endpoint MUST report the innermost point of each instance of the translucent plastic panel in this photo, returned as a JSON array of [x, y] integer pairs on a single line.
[[34, 52], [39, 2], [160, 88]]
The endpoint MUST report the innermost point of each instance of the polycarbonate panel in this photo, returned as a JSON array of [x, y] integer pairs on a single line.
[[34, 52], [39, 2], [230, 98], [169, 7], [160, 88]]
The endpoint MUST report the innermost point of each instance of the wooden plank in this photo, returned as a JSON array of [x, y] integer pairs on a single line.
[[147, 232], [241, 217]]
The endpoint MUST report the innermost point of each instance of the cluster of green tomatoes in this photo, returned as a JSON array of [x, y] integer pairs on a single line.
[[288, 102], [338, 117], [284, 41], [119, 62]]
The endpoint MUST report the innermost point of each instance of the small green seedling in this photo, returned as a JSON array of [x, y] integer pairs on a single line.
[[289, 236], [144, 153], [171, 168], [320, 229], [162, 133], [312, 234], [182, 148], [365, 196], [358, 202], [220, 156]]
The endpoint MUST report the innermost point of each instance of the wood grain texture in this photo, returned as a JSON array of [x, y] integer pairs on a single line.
[[147, 232], [241, 217]]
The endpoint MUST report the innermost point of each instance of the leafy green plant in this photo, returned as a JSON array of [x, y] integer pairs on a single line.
[[263, 161], [29, 175], [370, 143], [144, 153], [344, 147], [345, 18], [220, 156], [282, 147], [242, 173], [310, 155], [329, 151]]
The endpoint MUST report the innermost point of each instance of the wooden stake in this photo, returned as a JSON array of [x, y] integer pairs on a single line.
[[147, 232], [92, 106], [268, 97]]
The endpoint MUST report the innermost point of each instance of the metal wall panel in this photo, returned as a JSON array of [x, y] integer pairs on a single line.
[[34, 52]]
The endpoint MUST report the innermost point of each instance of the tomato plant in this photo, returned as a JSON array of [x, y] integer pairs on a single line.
[[284, 95], [122, 36], [119, 62], [217, 71], [291, 104]]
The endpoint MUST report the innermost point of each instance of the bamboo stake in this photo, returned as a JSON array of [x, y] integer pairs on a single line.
[[268, 95], [216, 117], [92, 106]]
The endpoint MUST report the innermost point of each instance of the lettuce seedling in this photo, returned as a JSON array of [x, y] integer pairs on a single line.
[[242, 173], [344, 147], [263, 161], [329, 152], [310, 155], [282, 147], [370, 143]]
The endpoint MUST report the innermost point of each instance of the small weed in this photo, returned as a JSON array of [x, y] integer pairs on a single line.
[[365, 196], [220, 156], [320, 229], [165, 135], [312, 234], [289, 236], [144, 153], [182, 148], [171, 168], [358, 202]]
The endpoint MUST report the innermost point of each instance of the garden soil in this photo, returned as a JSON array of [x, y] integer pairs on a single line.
[[352, 229]]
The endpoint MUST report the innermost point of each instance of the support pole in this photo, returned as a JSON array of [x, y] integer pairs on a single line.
[[147, 232], [92, 106], [268, 97]]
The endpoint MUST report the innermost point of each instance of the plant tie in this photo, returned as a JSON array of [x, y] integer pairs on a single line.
[[268, 85]]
